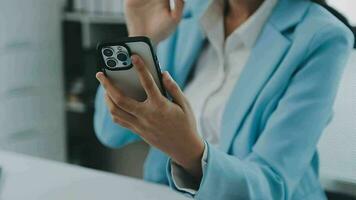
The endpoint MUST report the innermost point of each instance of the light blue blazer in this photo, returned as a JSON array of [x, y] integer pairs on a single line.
[[276, 113]]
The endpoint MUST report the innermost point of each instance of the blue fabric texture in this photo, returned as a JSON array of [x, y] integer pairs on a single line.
[[276, 114]]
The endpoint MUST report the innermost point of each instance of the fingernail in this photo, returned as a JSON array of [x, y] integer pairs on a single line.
[[169, 76], [134, 59], [99, 76]]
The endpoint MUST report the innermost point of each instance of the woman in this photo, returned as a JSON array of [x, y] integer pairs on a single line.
[[259, 81]]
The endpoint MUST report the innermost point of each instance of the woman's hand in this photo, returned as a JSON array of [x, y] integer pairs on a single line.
[[152, 18], [169, 126]]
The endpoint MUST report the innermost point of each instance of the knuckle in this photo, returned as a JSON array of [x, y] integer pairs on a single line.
[[173, 86], [174, 89], [161, 104], [119, 100], [156, 102], [140, 67], [164, 110], [150, 85]]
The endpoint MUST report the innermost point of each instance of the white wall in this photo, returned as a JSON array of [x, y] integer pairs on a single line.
[[346, 7], [338, 144], [31, 88]]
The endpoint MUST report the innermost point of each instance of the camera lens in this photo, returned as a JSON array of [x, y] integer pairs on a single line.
[[111, 63], [108, 52], [122, 57]]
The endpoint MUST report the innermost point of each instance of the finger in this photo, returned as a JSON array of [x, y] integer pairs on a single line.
[[119, 113], [145, 76], [177, 12], [174, 90], [126, 103]]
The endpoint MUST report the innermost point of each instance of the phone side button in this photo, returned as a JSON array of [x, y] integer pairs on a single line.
[[158, 63]]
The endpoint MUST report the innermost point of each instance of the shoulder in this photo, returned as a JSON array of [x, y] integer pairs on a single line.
[[321, 26]]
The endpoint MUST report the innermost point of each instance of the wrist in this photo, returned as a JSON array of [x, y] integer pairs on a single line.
[[191, 161]]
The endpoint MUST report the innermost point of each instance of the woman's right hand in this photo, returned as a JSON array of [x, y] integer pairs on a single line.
[[152, 18]]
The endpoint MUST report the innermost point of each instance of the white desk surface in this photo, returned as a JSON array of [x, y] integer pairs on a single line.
[[24, 177]]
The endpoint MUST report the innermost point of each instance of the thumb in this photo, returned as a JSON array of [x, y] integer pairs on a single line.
[[174, 90], [177, 10]]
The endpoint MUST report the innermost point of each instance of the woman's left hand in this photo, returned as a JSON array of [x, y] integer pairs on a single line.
[[169, 126]]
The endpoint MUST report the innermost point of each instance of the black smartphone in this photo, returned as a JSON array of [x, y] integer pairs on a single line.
[[114, 60]]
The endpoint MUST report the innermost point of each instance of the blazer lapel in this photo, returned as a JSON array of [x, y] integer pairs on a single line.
[[267, 54], [187, 50], [256, 73], [189, 40]]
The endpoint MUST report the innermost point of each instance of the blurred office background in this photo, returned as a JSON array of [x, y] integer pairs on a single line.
[[47, 90]]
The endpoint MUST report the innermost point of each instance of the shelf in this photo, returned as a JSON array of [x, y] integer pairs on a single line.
[[87, 19], [94, 18]]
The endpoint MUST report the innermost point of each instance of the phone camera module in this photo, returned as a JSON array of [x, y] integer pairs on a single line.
[[108, 52], [122, 57], [111, 63]]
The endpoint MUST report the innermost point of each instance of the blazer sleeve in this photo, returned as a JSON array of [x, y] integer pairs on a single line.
[[108, 132], [287, 144]]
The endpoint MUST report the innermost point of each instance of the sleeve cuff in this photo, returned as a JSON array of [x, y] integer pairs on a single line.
[[182, 180]]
